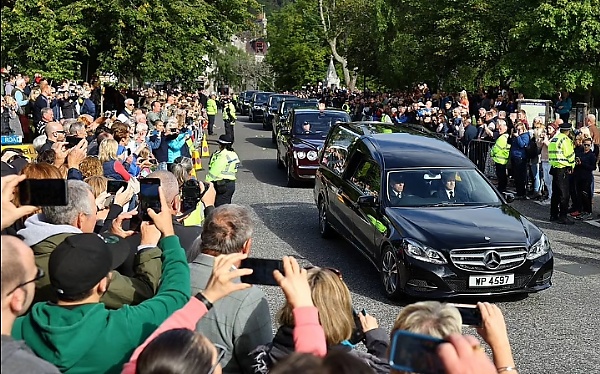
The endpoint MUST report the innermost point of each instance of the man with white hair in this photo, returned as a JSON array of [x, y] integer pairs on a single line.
[[126, 116], [18, 93]]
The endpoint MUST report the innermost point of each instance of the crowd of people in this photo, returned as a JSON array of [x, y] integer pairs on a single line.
[[79, 296], [90, 287]]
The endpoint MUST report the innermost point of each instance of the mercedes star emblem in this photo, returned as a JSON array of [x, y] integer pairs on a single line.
[[487, 238], [492, 260]]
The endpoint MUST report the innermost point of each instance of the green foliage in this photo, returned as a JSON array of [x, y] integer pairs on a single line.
[[297, 53], [537, 46], [145, 39]]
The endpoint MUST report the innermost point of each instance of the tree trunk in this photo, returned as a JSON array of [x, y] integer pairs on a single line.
[[332, 41]]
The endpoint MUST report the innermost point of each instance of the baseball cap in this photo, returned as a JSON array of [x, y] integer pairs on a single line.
[[82, 260]]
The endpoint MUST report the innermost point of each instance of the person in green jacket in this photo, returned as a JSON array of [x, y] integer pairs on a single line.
[[78, 334], [43, 232], [211, 112]]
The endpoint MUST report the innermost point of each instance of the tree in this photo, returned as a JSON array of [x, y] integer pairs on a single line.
[[144, 39], [561, 40], [297, 52]]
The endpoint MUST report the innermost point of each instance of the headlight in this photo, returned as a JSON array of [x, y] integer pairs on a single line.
[[312, 155], [300, 155], [422, 252], [540, 248], [257, 107]]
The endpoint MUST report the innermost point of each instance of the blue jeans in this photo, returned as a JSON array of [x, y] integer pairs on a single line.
[[535, 171], [547, 178]]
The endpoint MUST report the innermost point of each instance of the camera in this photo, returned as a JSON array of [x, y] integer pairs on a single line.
[[191, 194]]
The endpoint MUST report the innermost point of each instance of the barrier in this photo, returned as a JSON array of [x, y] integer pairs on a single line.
[[205, 150], [27, 149], [197, 161], [478, 151]]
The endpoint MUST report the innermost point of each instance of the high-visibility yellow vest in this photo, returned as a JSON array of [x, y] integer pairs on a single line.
[[346, 107], [231, 116], [223, 165], [561, 153], [211, 107], [501, 149]]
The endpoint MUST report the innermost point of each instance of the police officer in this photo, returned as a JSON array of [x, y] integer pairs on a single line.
[[500, 152], [561, 155], [229, 118], [346, 107], [222, 168]]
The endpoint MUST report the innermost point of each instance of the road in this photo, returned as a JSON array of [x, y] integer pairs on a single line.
[[554, 331]]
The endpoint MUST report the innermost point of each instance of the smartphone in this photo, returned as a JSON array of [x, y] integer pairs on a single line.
[[43, 192], [113, 186], [263, 270], [415, 353], [72, 141], [470, 314], [358, 334], [149, 197]]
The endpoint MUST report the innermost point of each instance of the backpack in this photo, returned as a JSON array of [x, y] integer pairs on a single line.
[[532, 150]]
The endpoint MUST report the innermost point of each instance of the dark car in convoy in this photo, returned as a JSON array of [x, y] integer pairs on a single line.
[[257, 103], [270, 108], [300, 138], [284, 108], [425, 216], [244, 102]]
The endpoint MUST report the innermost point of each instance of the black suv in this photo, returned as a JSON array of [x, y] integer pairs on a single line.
[[257, 103], [270, 108], [244, 102], [425, 216]]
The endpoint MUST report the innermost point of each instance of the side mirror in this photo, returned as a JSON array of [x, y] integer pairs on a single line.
[[367, 201], [284, 132], [509, 197]]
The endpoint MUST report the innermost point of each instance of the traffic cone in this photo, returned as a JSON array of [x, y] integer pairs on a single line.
[[197, 160], [205, 151]]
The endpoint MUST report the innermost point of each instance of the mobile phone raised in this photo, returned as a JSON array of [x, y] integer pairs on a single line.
[[470, 314], [149, 197], [415, 353], [72, 141], [113, 186], [43, 192], [262, 271]]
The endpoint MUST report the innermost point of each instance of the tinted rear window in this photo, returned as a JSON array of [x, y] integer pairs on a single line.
[[261, 97]]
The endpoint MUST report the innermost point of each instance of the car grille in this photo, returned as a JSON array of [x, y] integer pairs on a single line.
[[489, 259], [461, 285]]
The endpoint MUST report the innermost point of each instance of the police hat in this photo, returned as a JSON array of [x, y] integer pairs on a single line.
[[225, 139], [565, 126]]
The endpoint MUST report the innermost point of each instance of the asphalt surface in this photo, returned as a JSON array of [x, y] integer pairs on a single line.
[[554, 331]]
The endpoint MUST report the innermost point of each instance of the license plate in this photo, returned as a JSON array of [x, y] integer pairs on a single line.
[[491, 280]]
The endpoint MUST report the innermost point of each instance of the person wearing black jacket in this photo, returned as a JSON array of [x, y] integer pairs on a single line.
[[585, 163], [160, 148]]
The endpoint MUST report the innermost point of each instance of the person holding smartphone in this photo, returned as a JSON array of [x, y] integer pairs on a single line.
[[440, 320], [240, 321]]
